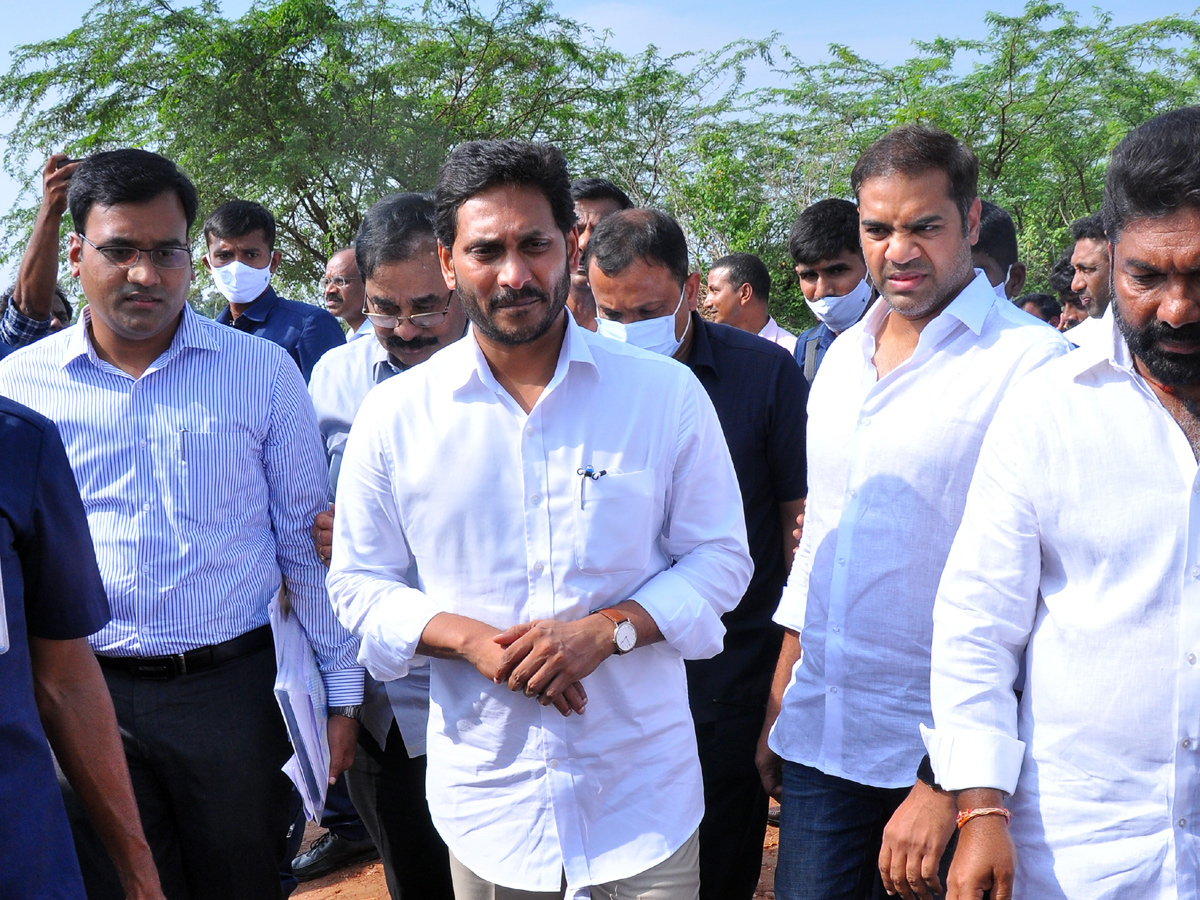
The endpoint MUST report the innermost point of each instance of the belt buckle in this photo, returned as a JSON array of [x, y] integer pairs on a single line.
[[160, 668]]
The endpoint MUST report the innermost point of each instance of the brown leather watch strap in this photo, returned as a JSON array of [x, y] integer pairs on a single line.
[[613, 615]]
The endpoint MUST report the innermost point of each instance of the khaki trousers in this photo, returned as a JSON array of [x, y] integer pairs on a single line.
[[675, 878]]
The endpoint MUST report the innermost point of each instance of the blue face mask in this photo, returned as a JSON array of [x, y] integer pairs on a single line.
[[656, 335]]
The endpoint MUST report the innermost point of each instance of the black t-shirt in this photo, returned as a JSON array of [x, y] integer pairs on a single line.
[[52, 590], [760, 396]]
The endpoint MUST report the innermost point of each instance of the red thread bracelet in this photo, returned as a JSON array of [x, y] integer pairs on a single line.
[[968, 814]]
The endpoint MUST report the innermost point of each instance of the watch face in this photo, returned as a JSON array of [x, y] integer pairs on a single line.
[[626, 637]]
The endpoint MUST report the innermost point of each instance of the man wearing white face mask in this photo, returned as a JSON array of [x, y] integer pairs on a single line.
[[240, 239], [637, 264], [826, 250], [996, 251]]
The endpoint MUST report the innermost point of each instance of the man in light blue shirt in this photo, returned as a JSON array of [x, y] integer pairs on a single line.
[[200, 468]]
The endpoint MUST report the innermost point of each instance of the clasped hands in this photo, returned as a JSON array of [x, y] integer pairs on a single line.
[[547, 660]]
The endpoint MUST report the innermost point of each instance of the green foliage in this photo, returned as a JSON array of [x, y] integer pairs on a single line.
[[318, 107]]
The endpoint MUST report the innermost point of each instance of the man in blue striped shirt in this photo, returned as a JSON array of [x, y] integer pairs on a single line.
[[200, 466]]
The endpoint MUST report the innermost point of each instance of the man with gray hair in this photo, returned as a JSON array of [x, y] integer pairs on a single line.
[[1099, 612]]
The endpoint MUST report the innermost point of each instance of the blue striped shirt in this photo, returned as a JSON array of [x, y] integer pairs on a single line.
[[200, 480]]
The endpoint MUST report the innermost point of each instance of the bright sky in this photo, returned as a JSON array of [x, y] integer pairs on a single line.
[[884, 32]]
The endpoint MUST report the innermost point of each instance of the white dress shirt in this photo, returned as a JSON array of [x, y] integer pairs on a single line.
[[340, 382], [1079, 550], [444, 471], [889, 462], [772, 332], [1091, 331]]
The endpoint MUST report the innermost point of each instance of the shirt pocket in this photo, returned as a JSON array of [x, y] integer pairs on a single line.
[[615, 522], [216, 469]]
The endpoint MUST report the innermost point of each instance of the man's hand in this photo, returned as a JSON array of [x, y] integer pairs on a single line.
[[544, 658], [770, 766], [914, 840], [343, 738], [56, 178], [985, 858], [798, 531], [322, 535]]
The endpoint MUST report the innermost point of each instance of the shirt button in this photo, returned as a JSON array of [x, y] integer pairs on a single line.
[[853, 493], [554, 763], [1187, 744], [146, 507], [528, 432], [1196, 488], [1196, 571], [539, 568], [142, 442], [1183, 823], [146, 567], [535, 499], [842, 561], [1191, 658], [833, 689], [866, 421], [837, 629]]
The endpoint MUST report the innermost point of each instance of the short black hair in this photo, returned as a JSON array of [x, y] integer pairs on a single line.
[[997, 234], [746, 268], [127, 176], [1062, 273], [599, 189], [6, 298], [1047, 304], [646, 234], [1155, 171], [1089, 228], [475, 166], [393, 230], [236, 218], [824, 231], [912, 150]]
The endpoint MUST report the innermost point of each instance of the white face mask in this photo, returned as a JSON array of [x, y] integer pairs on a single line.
[[839, 313], [656, 335], [1000, 288], [240, 283]]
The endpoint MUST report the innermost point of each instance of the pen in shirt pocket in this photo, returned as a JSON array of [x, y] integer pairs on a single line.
[[586, 473], [182, 446]]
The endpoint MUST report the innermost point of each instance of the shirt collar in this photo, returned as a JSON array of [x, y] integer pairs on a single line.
[[385, 368], [191, 332], [701, 355], [1106, 347], [971, 307], [472, 366], [257, 311]]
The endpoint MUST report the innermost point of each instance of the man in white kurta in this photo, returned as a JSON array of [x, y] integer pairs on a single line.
[[1089, 582]]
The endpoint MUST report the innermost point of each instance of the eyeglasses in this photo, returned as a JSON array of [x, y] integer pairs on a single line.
[[421, 320], [127, 257], [338, 282]]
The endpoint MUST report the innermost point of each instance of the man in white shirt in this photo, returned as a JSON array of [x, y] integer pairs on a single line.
[[342, 288], [896, 416], [1091, 280], [1100, 612], [563, 498], [739, 287]]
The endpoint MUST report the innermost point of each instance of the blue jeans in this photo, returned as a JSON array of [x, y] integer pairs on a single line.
[[830, 834]]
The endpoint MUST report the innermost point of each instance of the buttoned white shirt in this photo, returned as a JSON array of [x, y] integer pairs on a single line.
[[889, 462], [772, 332], [445, 473], [1089, 569]]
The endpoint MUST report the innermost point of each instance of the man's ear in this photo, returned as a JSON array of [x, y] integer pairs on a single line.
[[745, 292], [691, 290], [276, 259], [973, 221], [446, 261], [573, 251], [1016, 280], [74, 253]]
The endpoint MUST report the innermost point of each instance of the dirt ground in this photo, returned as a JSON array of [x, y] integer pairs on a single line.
[[365, 882]]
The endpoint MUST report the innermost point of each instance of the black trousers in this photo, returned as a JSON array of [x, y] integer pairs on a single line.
[[204, 754], [735, 805], [388, 790]]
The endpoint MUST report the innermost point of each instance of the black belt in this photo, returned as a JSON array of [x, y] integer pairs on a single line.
[[160, 668]]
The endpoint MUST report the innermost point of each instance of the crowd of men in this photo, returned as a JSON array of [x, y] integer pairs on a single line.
[[589, 576]]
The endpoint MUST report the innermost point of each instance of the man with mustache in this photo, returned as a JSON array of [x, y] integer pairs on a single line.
[[895, 421], [200, 468], [553, 519], [342, 288], [1090, 280], [1099, 611]]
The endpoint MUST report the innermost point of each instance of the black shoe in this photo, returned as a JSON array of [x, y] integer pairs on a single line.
[[329, 853], [773, 816]]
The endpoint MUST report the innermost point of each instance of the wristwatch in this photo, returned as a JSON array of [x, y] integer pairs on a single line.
[[350, 712], [624, 634]]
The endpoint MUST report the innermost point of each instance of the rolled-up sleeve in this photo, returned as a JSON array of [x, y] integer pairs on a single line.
[[296, 478], [983, 616], [705, 535]]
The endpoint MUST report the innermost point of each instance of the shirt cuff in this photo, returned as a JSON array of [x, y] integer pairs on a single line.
[[974, 759], [19, 330], [344, 687], [687, 622]]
